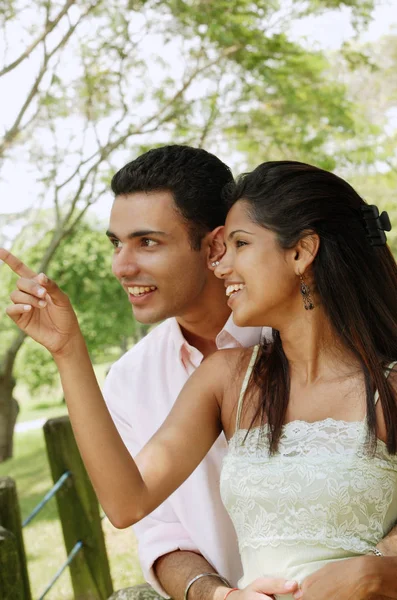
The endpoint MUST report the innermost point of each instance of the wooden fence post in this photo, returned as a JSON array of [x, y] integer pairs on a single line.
[[10, 519], [79, 513], [11, 581]]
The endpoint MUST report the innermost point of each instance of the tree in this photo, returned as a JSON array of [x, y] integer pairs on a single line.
[[103, 84], [369, 72]]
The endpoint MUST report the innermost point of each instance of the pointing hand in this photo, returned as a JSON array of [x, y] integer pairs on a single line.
[[40, 308]]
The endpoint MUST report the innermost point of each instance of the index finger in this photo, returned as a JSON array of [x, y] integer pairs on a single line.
[[16, 264]]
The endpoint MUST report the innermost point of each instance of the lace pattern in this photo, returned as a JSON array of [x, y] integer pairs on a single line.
[[321, 488]]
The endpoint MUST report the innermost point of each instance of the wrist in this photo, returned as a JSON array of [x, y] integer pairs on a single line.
[[207, 585], [74, 348], [222, 592], [388, 547], [230, 591]]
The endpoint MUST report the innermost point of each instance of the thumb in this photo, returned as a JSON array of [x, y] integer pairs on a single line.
[[58, 297]]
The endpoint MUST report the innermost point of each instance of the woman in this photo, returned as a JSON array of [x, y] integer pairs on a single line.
[[311, 476]]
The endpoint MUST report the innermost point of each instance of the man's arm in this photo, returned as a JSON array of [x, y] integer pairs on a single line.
[[179, 568], [176, 569]]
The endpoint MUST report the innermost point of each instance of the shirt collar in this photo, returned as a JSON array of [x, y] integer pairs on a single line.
[[230, 336], [184, 350]]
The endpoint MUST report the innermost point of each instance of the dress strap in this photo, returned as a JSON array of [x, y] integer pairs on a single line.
[[245, 384], [388, 370]]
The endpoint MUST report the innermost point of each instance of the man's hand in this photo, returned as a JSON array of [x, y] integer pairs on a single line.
[[40, 308], [350, 579], [264, 588]]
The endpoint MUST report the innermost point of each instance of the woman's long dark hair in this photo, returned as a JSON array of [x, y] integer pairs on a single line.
[[355, 281]]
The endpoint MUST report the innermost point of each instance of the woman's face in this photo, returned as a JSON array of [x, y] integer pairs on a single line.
[[260, 280]]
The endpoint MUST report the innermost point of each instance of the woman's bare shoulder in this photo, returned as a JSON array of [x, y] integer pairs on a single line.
[[234, 359], [226, 370]]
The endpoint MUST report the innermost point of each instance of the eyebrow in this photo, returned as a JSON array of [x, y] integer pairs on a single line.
[[233, 233], [137, 234]]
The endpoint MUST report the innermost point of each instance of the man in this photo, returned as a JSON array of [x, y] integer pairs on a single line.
[[165, 226]]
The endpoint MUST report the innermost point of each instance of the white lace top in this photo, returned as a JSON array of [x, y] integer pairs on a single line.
[[320, 498]]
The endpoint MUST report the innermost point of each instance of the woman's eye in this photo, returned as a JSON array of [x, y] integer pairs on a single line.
[[148, 242], [240, 243]]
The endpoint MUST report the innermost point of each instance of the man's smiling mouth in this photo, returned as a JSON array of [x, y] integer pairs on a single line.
[[139, 290]]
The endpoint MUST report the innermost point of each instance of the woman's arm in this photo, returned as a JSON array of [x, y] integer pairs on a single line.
[[127, 489]]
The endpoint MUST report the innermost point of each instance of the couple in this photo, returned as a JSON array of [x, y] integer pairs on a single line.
[[309, 408]]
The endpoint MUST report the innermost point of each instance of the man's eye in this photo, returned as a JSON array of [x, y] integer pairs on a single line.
[[148, 242], [116, 243]]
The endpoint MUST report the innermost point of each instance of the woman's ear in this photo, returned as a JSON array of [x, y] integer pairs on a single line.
[[305, 252], [216, 247]]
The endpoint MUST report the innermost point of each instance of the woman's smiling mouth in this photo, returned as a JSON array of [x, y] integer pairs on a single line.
[[234, 288]]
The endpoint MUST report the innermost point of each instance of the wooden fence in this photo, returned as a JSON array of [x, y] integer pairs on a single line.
[[80, 518]]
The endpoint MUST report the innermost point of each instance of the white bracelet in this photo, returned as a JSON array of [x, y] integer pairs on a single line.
[[376, 552], [189, 585]]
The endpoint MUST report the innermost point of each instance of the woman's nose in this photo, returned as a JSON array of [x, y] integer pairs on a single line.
[[223, 269]]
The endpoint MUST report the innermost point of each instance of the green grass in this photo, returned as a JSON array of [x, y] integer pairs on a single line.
[[43, 536]]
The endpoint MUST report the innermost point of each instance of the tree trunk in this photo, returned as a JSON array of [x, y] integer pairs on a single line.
[[9, 407], [8, 415]]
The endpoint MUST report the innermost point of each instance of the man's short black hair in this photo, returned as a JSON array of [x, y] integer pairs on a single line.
[[194, 177]]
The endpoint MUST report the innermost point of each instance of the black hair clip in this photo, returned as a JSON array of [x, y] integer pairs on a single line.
[[376, 224]]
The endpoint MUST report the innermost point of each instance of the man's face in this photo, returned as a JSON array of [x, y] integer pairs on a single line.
[[153, 258]]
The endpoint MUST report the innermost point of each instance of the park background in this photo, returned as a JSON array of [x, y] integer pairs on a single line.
[[87, 86]]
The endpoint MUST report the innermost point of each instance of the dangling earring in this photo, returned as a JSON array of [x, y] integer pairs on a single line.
[[306, 294], [215, 263]]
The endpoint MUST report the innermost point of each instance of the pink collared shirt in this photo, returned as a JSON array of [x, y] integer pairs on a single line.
[[140, 391]]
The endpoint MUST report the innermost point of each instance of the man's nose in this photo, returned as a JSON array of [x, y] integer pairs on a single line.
[[124, 265]]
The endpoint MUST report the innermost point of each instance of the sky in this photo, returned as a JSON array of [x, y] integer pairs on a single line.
[[327, 32], [331, 30]]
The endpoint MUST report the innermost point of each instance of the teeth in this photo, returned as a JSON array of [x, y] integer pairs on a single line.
[[234, 288], [138, 290]]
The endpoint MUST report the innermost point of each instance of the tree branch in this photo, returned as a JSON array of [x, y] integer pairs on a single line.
[[14, 130], [214, 111], [50, 25]]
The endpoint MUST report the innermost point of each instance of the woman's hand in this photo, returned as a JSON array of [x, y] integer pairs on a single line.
[[264, 588], [40, 308], [361, 578]]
